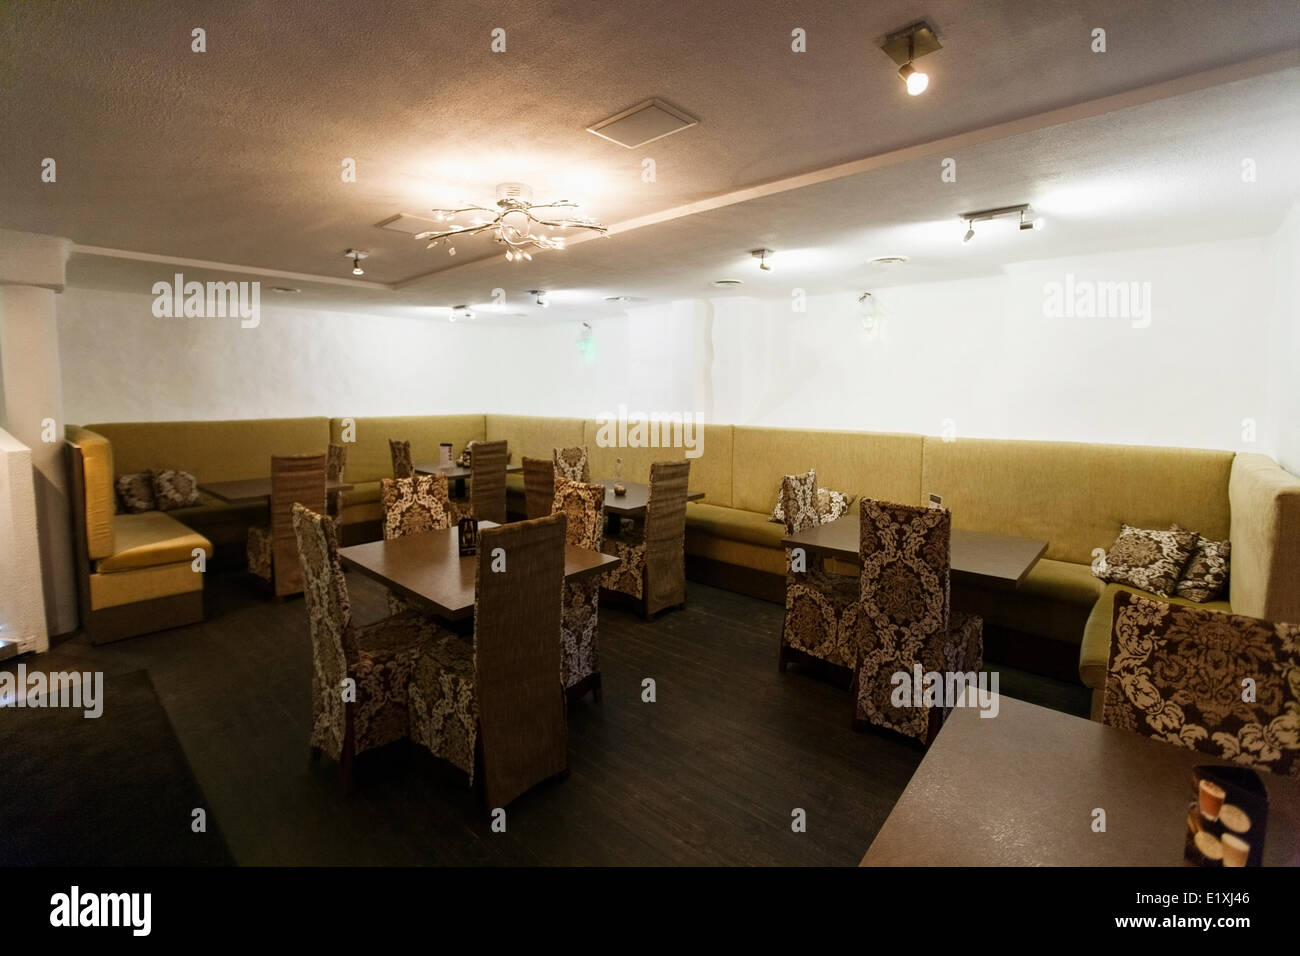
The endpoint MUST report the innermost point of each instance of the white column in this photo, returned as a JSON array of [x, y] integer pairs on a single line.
[[31, 388]]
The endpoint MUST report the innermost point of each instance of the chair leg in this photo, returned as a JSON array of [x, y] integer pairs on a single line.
[[782, 654]]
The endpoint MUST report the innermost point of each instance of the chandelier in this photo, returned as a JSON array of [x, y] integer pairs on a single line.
[[516, 222]]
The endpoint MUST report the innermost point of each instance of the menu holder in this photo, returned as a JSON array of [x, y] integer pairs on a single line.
[[467, 536], [1227, 821], [444, 454]]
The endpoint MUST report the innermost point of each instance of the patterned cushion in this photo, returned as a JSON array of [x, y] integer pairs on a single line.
[[821, 614], [1206, 574], [1149, 560], [802, 490], [258, 547], [629, 576], [175, 489], [136, 493], [401, 455], [827, 504], [415, 505], [572, 463], [905, 569], [443, 708], [1176, 673], [583, 506], [386, 656]]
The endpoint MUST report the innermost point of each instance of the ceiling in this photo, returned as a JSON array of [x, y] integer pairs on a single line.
[[229, 160]]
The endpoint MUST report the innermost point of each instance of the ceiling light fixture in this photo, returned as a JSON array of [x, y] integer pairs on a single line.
[[285, 289], [514, 222], [726, 283], [1023, 213], [540, 295], [461, 312], [761, 255], [618, 298], [356, 255], [908, 44]]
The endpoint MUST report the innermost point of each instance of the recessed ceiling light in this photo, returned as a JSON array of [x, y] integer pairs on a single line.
[[725, 283], [885, 262], [618, 298], [285, 289]]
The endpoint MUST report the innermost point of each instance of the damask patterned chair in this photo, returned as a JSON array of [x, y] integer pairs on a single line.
[[413, 506], [539, 486], [272, 550], [572, 463], [1177, 674], [403, 466], [653, 557], [494, 707], [820, 607], [904, 617], [378, 658], [336, 461], [583, 507], [487, 489]]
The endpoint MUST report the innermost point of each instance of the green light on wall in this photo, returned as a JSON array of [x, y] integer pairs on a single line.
[[587, 344]]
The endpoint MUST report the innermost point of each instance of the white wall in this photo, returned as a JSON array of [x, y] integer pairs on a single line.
[[22, 600], [1284, 372]]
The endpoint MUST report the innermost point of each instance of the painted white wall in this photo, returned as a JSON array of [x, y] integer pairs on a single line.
[[22, 599], [1284, 371]]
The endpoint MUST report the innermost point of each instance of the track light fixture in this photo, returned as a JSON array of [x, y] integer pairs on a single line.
[[356, 255], [1023, 213], [540, 295], [761, 255], [908, 44]]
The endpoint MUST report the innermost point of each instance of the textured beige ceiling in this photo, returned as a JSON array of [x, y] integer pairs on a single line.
[[233, 155]]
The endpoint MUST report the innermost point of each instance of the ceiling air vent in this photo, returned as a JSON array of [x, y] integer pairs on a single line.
[[410, 224], [643, 123]]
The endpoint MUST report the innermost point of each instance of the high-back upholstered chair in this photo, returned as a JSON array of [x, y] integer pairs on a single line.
[[403, 466], [487, 490], [1176, 674], [583, 507], [413, 506], [272, 550], [904, 617], [820, 607], [653, 566], [336, 461], [495, 707], [572, 463], [380, 658], [539, 486]]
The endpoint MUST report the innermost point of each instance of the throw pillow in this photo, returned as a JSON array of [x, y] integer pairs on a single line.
[[175, 489], [136, 493], [829, 504], [1206, 573], [572, 463], [1147, 559]]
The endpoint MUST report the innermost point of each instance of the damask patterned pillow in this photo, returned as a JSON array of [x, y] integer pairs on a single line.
[[805, 490], [572, 463], [136, 493], [1147, 559], [175, 489], [829, 504], [1206, 573]]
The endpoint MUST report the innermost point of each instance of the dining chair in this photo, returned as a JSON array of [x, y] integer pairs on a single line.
[[272, 550], [653, 556], [583, 506], [414, 506], [360, 674], [904, 619], [403, 466], [572, 463], [334, 466], [487, 489], [494, 706], [820, 607], [539, 486], [1177, 673]]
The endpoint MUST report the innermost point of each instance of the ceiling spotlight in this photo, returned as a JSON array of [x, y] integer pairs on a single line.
[[356, 255], [761, 255], [460, 312], [726, 283], [618, 298], [1029, 221], [1025, 218], [285, 289], [540, 294], [970, 232], [908, 44]]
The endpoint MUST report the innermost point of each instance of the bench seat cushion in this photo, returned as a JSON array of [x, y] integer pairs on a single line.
[[1063, 581], [733, 524], [150, 539]]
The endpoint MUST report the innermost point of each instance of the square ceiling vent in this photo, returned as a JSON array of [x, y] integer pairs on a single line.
[[411, 224], [643, 123]]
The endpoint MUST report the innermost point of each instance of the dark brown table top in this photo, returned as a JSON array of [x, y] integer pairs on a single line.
[[634, 502], [980, 557], [1019, 789], [428, 568], [246, 490], [452, 471]]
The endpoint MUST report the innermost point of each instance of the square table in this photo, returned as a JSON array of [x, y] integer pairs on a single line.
[[456, 474], [244, 491], [1018, 789], [428, 568], [978, 557], [630, 505]]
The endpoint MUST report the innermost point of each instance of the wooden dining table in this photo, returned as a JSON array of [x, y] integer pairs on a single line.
[[245, 491], [634, 502], [457, 475], [977, 557], [429, 569]]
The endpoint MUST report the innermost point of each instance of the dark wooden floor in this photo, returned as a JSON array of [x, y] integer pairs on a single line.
[[708, 774]]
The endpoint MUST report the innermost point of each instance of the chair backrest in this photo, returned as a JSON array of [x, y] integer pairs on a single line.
[[296, 479], [400, 451], [1176, 674], [338, 460], [517, 615], [906, 567], [799, 502], [572, 463], [539, 486], [487, 490], [329, 613], [665, 533], [415, 505], [583, 506]]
